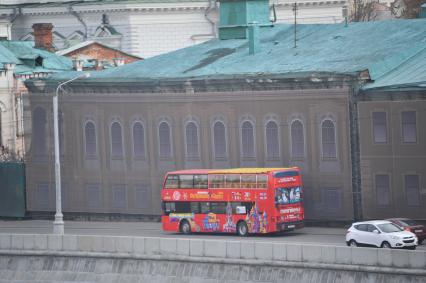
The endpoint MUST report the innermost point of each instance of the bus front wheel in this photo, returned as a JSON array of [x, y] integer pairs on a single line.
[[184, 227], [242, 229]]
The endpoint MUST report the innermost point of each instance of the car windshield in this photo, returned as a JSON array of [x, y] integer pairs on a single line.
[[409, 222], [389, 228]]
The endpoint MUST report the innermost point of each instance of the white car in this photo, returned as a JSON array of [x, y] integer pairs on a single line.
[[380, 233]]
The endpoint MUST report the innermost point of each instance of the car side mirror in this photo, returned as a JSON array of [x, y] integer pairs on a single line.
[[376, 231]]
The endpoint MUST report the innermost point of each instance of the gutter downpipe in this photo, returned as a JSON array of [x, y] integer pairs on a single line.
[[75, 14], [212, 6], [355, 151]]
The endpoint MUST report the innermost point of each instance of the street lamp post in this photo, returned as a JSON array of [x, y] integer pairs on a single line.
[[58, 224]]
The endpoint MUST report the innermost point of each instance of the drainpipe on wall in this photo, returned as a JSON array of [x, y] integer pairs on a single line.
[[212, 6], [75, 14], [355, 153]]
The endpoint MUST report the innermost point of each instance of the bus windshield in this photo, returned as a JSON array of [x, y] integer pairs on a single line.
[[287, 195]]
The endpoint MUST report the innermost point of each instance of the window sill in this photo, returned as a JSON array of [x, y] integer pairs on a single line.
[[329, 159], [273, 159], [139, 158], [91, 157], [118, 158]]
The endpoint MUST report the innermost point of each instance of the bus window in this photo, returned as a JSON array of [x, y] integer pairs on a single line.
[[217, 181], [232, 181], [262, 181], [172, 182], [200, 182], [286, 174], [169, 207], [205, 207], [246, 205], [248, 181], [195, 207], [183, 207], [186, 181], [218, 207]]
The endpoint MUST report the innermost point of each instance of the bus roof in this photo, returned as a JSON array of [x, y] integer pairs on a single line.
[[248, 170], [232, 171]]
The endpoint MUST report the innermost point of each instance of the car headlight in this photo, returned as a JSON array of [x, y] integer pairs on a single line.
[[394, 237]]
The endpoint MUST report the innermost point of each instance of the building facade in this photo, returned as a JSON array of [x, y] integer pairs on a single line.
[[116, 149]]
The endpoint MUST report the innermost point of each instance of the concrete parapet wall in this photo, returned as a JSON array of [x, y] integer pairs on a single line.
[[245, 252]]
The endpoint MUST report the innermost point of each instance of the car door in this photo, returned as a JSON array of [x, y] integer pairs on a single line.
[[373, 238], [362, 234]]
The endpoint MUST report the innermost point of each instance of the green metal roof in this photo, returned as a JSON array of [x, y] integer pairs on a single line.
[[378, 47], [410, 74], [21, 52]]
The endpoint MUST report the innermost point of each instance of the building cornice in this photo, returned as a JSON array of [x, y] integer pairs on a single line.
[[197, 87], [142, 7]]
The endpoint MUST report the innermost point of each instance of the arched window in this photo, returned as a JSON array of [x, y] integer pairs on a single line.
[[165, 149], [90, 138], [328, 139], [191, 133], [138, 140], [272, 141], [116, 140], [247, 140], [297, 140], [219, 140], [39, 131]]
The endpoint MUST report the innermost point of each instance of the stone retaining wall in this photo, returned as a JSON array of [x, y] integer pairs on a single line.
[[309, 261]]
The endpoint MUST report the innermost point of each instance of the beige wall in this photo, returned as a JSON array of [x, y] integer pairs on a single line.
[[394, 158], [327, 182]]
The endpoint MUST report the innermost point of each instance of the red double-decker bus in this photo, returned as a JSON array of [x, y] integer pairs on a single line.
[[242, 200]]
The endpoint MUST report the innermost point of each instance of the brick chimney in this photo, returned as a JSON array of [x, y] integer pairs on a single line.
[[43, 36]]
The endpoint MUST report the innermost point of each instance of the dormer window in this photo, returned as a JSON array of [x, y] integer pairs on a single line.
[[38, 61]]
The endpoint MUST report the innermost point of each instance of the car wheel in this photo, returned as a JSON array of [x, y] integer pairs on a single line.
[[242, 229], [184, 227], [386, 245], [353, 243]]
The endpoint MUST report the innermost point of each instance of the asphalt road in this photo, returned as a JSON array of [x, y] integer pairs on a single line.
[[308, 235]]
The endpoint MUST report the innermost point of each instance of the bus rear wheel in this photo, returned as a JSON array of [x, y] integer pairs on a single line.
[[184, 227], [242, 229]]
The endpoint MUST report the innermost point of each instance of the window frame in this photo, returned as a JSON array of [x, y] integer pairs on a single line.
[[403, 137], [40, 148], [376, 189], [113, 155], [225, 155], [293, 156], [333, 122], [170, 144], [87, 155], [278, 156], [419, 203], [252, 124], [196, 156], [144, 149], [373, 127]]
